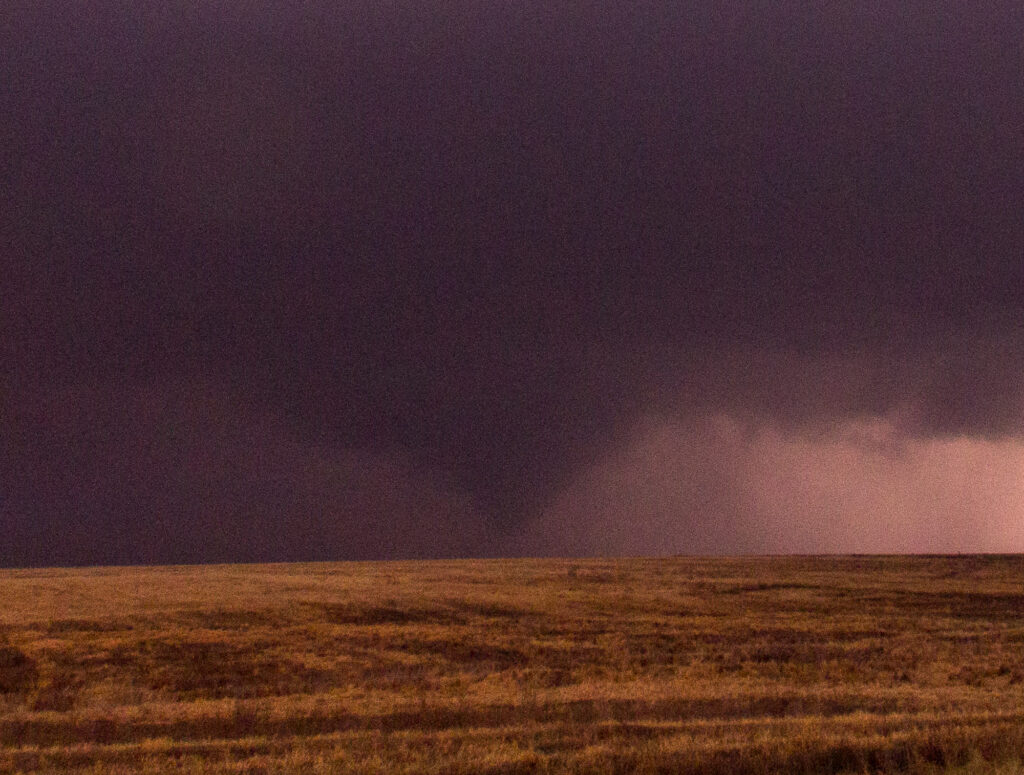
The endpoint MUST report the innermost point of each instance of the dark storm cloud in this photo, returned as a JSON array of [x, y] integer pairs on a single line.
[[483, 240], [176, 474]]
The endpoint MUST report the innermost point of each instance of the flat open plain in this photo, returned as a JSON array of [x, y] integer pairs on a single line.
[[749, 665]]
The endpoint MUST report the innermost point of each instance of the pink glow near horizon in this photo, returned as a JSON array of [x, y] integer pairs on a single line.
[[713, 487]]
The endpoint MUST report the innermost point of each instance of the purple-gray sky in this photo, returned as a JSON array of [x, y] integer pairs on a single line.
[[367, 280]]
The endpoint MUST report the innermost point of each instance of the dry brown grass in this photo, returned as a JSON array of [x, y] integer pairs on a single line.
[[759, 665]]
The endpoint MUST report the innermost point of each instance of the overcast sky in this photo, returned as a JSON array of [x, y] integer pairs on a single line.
[[318, 280]]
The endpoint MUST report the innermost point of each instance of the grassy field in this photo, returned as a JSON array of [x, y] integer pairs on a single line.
[[755, 665]]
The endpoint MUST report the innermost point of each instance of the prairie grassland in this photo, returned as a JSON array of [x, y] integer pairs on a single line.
[[682, 665]]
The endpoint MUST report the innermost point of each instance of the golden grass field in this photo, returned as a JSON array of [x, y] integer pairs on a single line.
[[683, 665]]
